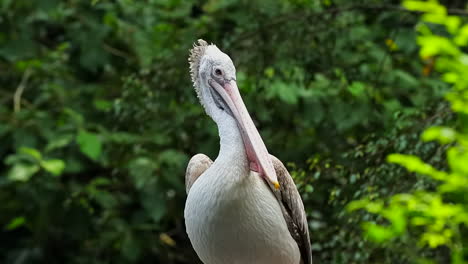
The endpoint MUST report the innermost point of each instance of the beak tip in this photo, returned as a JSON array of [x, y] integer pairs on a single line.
[[277, 185]]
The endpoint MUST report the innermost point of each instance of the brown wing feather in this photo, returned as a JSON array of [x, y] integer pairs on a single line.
[[197, 165], [293, 209]]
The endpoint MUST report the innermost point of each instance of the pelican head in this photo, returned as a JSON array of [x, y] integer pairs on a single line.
[[214, 78]]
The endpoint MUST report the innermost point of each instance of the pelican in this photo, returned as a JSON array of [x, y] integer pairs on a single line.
[[244, 207]]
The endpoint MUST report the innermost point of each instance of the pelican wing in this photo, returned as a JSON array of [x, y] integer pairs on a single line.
[[197, 165], [293, 209]]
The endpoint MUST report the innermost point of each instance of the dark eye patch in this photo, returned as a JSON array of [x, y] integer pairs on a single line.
[[219, 101]]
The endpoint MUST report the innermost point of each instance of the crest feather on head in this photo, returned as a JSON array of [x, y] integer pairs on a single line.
[[196, 53]]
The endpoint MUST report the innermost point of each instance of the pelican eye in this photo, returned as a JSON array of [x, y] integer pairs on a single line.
[[218, 72]]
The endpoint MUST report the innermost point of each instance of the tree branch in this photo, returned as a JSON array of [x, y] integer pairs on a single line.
[[19, 90]]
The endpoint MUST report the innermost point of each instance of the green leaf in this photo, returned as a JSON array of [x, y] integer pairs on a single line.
[[103, 105], [374, 207], [15, 223], [22, 172], [462, 38], [357, 89], [288, 93], [396, 215], [414, 164], [269, 72], [434, 239], [74, 115], [90, 144], [426, 7], [452, 23], [444, 135], [31, 152], [378, 233], [54, 166], [406, 78], [59, 142], [142, 171], [154, 202], [356, 205], [457, 158]]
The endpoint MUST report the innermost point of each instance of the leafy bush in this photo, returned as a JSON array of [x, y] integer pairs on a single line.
[[435, 218]]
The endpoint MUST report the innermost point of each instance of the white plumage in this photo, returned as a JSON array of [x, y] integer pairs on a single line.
[[234, 215], [231, 215]]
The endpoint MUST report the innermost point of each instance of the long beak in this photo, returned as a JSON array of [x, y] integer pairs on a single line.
[[256, 150]]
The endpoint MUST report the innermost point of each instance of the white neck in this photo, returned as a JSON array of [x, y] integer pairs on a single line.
[[232, 150], [232, 153]]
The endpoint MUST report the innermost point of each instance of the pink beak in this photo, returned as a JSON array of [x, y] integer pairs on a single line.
[[257, 153]]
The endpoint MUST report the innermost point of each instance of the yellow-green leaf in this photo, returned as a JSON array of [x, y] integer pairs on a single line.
[[22, 172], [54, 166]]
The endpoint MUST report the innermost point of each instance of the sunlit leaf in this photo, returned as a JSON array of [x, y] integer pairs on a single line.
[[444, 135], [412, 163], [433, 239], [378, 233], [22, 172], [54, 166]]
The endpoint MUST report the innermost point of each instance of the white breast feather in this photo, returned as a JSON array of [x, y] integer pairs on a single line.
[[236, 219]]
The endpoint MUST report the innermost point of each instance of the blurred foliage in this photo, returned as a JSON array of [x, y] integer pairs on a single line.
[[98, 119], [433, 218]]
